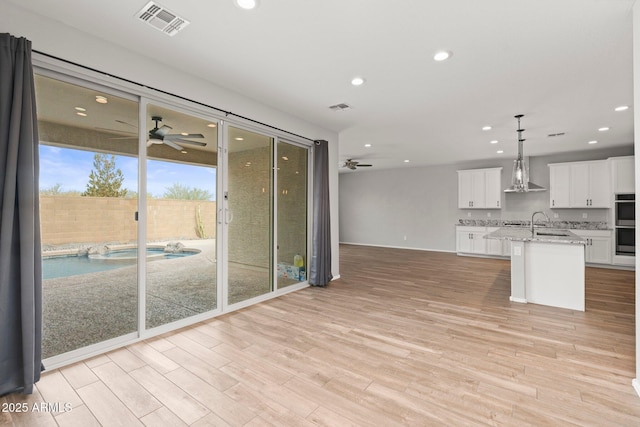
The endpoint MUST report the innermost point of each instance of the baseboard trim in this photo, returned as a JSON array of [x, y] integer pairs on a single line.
[[521, 300], [397, 247], [636, 385]]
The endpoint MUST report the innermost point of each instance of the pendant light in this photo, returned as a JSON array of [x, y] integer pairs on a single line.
[[520, 178]]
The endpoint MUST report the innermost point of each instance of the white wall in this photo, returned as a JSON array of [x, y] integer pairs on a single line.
[[382, 207], [55, 38]]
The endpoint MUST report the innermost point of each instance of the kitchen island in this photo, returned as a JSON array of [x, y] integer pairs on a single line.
[[547, 266]]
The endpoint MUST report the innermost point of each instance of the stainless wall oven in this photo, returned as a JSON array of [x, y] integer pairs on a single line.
[[625, 223]]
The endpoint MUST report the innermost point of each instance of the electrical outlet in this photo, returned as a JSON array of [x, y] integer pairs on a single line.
[[585, 215], [555, 215], [405, 237], [468, 213], [489, 214]]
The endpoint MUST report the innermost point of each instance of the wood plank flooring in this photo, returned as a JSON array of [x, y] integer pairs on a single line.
[[403, 338]]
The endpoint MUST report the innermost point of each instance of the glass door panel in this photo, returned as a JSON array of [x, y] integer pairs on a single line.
[[180, 216], [292, 214], [249, 215], [88, 201]]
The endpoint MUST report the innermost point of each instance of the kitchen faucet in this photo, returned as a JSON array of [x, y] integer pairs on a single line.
[[534, 214]]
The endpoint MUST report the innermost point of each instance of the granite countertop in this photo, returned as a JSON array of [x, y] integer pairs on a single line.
[[540, 235], [563, 225]]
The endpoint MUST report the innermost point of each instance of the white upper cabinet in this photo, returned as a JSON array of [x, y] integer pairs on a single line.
[[493, 188], [480, 188], [580, 185], [623, 174], [559, 189]]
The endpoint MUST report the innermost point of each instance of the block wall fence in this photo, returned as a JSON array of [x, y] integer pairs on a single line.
[[69, 220]]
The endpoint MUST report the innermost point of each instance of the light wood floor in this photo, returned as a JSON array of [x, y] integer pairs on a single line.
[[403, 338]]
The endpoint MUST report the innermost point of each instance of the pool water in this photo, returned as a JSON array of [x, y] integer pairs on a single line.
[[56, 267]]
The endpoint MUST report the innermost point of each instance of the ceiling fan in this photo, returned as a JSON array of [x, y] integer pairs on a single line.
[[353, 164], [161, 135]]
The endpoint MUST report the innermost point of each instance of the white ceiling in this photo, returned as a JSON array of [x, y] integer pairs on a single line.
[[564, 64]]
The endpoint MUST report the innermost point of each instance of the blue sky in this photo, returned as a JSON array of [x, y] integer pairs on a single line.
[[71, 168]]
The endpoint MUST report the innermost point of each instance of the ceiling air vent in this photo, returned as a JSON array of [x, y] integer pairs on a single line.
[[551, 135], [339, 107], [162, 19]]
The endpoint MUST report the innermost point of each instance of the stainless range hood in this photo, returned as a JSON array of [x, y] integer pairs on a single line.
[[520, 178]]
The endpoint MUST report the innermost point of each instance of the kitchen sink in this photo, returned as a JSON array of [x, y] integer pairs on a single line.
[[552, 233]]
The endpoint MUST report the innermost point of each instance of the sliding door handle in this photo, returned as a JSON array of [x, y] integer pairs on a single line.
[[228, 217]]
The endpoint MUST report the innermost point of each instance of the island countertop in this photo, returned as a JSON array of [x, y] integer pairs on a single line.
[[542, 235]]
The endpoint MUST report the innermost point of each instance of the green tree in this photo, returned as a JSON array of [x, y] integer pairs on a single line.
[[105, 180], [184, 192]]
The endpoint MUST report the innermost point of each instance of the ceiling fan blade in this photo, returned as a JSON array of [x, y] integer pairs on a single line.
[[360, 165], [173, 145], [125, 132], [185, 141], [125, 123], [161, 132], [181, 135], [125, 137]]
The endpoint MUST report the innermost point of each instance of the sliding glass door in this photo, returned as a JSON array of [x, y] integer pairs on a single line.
[[139, 234], [88, 202], [291, 197], [248, 215], [181, 214]]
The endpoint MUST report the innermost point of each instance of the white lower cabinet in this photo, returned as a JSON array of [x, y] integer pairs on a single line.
[[470, 240], [598, 248], [494, 247]]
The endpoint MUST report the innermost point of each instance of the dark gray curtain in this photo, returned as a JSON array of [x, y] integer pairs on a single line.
[[320, 267], [20, 255]]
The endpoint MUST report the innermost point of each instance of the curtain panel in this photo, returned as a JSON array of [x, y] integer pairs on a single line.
[[320, 267], [20, 246]]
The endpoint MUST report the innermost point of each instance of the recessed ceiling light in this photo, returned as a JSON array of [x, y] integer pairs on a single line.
[[184, 133], [367, 145], [285, 158], [101, 99], [246, 4], [183, 151], [442, 55], [603, 129], [211, 125], [80, 109], [406, 161], [500, 151], [486, 127], [622, 108], [592, 142], [80, 113], [495, 141], [357, 81], [238, 138]]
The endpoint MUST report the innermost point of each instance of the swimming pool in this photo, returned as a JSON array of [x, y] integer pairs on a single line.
[[54, 267]]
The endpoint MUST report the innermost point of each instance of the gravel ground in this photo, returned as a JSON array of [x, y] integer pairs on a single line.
[[90, 308]]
